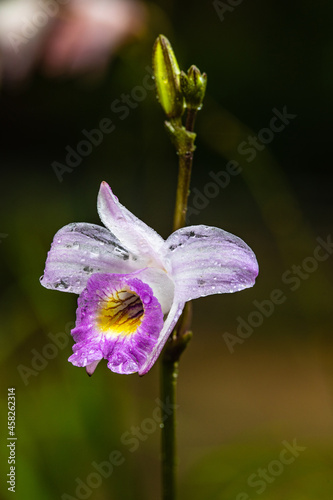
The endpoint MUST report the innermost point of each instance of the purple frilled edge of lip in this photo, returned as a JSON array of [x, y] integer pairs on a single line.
[[133, 285]]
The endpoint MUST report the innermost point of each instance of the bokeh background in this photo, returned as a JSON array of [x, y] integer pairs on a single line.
[[235, 409]]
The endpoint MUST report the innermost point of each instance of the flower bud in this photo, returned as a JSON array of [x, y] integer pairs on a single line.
[[193, 86], [167, 77]]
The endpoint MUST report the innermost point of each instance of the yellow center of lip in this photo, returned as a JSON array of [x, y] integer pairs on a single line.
[[121, 314]]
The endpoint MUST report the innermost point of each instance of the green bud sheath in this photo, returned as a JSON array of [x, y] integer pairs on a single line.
[[193, 86], [167, 78]]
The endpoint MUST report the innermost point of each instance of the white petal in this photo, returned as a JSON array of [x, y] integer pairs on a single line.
[[205, 260], [169, 324], [132, 232], [162, 286], [80, 250]]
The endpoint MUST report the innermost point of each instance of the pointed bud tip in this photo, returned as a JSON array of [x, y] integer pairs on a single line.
[[193, 86], [167, 78]]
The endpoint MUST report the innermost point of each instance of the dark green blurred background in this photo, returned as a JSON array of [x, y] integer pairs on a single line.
[[235, 409]]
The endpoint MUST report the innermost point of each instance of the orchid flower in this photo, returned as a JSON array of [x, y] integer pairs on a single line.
[[133, 285]]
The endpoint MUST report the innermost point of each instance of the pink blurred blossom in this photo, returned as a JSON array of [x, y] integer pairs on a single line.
[[65, 37]]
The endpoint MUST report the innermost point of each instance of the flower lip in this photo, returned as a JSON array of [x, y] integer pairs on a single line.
[[118, 319]]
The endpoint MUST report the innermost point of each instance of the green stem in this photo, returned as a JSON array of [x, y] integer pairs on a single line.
[[190, 119], [184, 174], [181, 334], [169, 374]]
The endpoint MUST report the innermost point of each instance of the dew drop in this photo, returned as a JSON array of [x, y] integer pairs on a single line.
[[146, 299], [76, 245]]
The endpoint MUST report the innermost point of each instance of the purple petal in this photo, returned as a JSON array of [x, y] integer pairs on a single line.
[[131, 231], [80, 250], [118, 319], [170, 322], [91, 368], [206, 260]]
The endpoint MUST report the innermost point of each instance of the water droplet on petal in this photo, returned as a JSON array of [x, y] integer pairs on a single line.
[[146, 299], [76, 245]]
